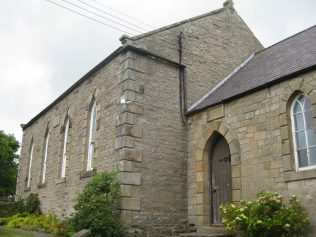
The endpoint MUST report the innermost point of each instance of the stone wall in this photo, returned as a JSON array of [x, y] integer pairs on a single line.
[[258, 130], [139, 127], [213, 45], [154, 156], [58, 194]]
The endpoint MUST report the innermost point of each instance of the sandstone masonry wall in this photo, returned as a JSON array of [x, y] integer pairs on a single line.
[[57, 194], [162, 144], [140, 132], [258, 130], [213, 44]]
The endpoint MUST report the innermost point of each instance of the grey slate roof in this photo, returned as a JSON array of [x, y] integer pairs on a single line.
[[281, 61]]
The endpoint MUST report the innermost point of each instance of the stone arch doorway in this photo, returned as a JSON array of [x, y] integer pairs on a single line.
[[220, 177], [204, 146]]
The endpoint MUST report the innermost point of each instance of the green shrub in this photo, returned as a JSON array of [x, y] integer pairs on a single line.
[[97, 207], [36, 222], [266, 216], [16, 222], [4, 220], [30, 205]]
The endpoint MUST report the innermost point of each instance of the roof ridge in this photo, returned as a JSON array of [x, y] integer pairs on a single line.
[[290, 37], [261, 72]]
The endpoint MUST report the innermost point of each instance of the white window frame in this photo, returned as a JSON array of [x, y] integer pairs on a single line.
[[30, 165], [92, 133], [45, 157], [295, 138], [64, 155]]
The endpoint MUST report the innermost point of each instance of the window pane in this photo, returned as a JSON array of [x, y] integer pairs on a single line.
[[301, 98], [311, 137], [301, 140], [302, 158], [312, 155], [299, 122], [307, 104], [309, 119], [297, 108]]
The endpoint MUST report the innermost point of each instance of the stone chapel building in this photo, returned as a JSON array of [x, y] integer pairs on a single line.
[[191, 115]]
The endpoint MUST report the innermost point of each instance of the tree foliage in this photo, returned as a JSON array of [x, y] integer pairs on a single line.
[[8, 163]]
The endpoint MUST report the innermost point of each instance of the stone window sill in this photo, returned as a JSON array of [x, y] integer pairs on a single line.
[[300, 175], [88, 173], [27, 189], [61, 180], [41, 185]]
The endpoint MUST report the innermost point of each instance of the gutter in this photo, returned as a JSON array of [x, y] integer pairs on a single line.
[[107, 60], [255, 89]]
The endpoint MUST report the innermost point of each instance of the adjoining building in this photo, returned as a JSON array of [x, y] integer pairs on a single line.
[[191, 115]]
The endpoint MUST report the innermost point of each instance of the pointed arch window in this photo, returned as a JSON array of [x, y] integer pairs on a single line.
[[92, 133], [43, 174], [65, 148], [28, 184], [304, 136]]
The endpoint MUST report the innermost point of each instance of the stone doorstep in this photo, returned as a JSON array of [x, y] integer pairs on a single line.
[[209, 231], [206, 235]]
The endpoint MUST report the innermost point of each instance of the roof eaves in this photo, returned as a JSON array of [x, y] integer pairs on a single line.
[[266, 85], [75, 85], [96, 68]]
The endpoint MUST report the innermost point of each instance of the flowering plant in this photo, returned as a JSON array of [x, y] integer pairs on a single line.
[[266, 216]]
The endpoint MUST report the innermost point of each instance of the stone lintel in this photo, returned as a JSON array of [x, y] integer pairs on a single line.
[[215, 112]]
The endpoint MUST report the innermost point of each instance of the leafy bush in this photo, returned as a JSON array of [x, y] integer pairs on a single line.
[[267, 216], [29, 205], [4, 220], [36, 222], [32, 204], [97, 207]]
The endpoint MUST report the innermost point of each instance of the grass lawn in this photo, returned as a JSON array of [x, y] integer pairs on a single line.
[[4, 232]]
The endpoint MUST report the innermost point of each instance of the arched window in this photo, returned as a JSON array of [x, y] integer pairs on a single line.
[[304, 136], [92, 132], [43, 174], [64, 154], [30, 164]]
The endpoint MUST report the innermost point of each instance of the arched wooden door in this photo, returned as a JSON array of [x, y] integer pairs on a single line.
[[220, 178]]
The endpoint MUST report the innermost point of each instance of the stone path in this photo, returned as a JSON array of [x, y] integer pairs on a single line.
[[34, 233]]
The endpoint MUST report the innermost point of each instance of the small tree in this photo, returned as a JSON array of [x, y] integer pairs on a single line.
[[8, 163], [97, 207]]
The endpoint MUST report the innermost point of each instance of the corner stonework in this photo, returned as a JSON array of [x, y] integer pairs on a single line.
[[129, 133]]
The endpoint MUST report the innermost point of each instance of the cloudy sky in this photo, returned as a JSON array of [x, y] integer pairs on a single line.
[[44, 48]]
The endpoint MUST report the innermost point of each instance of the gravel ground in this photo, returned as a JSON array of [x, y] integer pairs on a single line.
[[34, 233]]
